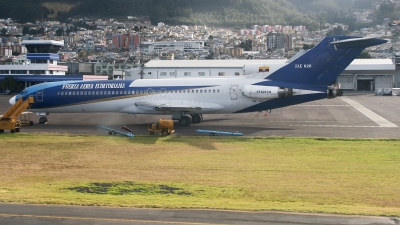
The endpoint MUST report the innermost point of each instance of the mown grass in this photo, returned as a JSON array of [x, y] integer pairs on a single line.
[[346, 176]]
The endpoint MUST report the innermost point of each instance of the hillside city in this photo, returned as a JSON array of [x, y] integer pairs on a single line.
[[134, 41]]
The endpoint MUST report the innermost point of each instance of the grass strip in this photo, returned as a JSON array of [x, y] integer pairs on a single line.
[[346, 176]]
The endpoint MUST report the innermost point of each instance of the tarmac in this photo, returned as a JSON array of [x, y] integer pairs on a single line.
[[355, 115]]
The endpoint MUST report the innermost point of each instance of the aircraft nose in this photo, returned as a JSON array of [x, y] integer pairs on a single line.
[[12, 100]]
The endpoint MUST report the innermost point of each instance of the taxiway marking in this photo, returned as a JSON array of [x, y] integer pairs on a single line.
[[382, 122], [104, 219]]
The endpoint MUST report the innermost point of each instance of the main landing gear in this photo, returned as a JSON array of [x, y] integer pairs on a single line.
[[43, 120], [186, 120]]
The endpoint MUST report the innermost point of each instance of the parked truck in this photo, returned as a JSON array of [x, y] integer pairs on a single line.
[[165, 127]]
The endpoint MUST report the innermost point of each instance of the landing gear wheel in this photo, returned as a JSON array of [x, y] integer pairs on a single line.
[[196, 118], [30, 123], [151, 133], [12, 131], [1, 131], [184, 121], [164, 133], [17, 130], [42, 120], [110, 133]]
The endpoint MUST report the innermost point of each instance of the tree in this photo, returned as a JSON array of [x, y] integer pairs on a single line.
[[210, 56], [364, 55], [60, 32], [4, 32], [25, 30], [336, 31], [247, 45], [9, 83], [306, 46]]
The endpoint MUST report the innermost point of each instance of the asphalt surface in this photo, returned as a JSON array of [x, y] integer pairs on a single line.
[[355, 115], [17, 214], [323, 118]]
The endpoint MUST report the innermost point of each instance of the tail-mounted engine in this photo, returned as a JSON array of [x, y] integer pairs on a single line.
[[285, 92], [333, 91]]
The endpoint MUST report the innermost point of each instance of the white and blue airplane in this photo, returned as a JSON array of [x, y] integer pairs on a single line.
[[307, 78]]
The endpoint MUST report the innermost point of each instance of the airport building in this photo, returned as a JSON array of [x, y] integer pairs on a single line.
[[40, 65], [361, 74]]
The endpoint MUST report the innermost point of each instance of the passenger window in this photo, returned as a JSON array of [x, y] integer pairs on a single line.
[[201, 91], [112, 92], [109, 92], [97, 92], [124, 92]]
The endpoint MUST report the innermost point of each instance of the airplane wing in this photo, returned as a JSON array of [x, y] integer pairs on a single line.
[[169, 107], [177, 106]]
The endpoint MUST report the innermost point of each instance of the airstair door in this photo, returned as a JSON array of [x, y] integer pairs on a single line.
[[234, 92], [39, 95]]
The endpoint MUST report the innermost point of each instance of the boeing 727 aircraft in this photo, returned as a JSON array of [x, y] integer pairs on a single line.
[[307, 78]]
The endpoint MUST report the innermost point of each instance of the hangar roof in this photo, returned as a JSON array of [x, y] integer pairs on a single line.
[[209, 63], [357, 64], [372, 64]]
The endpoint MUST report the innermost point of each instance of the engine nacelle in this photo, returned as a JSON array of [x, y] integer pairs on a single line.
[[285, 92], [333, 92], [260, 92]]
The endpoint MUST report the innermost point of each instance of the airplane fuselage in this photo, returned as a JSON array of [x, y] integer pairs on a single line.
[[203, 95]]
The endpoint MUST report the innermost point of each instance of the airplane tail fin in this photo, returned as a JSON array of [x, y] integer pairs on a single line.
[[325, 62]]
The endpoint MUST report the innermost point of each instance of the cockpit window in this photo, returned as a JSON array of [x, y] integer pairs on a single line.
[[24, 92]]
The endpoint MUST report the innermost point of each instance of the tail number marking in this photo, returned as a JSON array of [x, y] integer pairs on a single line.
[[302, 66]]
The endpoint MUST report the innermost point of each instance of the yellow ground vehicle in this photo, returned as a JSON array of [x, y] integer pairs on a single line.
[[9, 120], [165, 127]]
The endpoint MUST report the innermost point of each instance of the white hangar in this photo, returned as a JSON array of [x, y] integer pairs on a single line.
[[361, 74]]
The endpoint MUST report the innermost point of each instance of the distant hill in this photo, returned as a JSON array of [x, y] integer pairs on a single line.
[[239, 13]]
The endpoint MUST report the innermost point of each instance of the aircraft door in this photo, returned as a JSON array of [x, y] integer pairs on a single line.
[[163, 92], [150, 93], [234, 92], [39, 95]]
